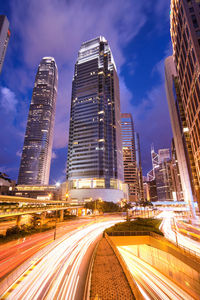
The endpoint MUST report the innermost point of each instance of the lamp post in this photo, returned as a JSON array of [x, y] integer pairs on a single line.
[[175, 232], [55, 227]]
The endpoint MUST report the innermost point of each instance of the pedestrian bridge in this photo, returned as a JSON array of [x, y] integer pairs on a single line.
[[15, 206]]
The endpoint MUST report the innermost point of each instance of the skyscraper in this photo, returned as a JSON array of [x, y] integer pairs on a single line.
[[129, 156], [180, 132], [185, 35], [95, 147], [36, 155], [139, 167], [4, 38]]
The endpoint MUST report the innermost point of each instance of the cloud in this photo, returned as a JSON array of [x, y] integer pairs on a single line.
[[8, 100], [19, 153], [53, 155]]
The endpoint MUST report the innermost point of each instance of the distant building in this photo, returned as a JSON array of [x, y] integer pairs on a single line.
[[95, 159], [139, 167], [185, 36], [153, 191], [6, 184], [4, 38], [163, 179], [129, 156], [164, 182], [176, 177], [37, 150], [163, 155]]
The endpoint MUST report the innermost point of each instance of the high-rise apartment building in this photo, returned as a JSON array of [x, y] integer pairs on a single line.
[[180, 131], [37, 150], [95, 162], [129, 156], [185, 35], [4, 38]]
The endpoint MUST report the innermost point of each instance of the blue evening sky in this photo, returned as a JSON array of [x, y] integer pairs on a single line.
[[139, 37]]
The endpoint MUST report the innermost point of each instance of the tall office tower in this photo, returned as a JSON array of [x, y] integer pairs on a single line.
[[185, 35], [129, 156], [36, 155], [139, 166], [94, 162], [180, 131], [4, 38]]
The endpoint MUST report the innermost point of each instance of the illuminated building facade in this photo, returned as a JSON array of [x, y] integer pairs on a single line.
[[162, 179], [131, 158], [139, 167], [182, 144], [37, 149], [95, 147], [185, 35], [4, 38]]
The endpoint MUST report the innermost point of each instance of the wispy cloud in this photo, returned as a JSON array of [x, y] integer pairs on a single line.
[[8, 100]]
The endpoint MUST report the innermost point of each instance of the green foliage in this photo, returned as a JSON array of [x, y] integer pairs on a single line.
[[103, 206], [12, 230], [16, 232], [139, 224], [35, 220]]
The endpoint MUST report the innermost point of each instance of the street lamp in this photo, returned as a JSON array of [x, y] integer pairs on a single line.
[[55, 227]]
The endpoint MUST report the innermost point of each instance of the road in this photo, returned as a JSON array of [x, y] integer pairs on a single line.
[[61, 272], [151, 283], [170, 230], [14, 253]]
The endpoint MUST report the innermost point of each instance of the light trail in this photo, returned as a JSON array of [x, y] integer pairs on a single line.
[[57, 274], [152, 283], [175, 236]]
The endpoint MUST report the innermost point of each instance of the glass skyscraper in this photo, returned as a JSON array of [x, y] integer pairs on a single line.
[[37, 150], [95, 145], [4, 38]]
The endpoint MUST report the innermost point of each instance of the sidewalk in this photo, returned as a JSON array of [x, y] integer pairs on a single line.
[[108, 279]]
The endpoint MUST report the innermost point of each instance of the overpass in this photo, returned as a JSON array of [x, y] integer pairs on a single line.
[[11, 206], [171, 205]]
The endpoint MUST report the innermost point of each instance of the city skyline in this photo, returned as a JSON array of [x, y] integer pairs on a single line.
[[144, 104]]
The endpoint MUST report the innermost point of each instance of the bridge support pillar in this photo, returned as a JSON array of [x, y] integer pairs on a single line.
[[43, 217], [18, 219], [61, 218]]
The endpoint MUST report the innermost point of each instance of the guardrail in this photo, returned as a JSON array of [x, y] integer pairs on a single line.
[[193, 254]]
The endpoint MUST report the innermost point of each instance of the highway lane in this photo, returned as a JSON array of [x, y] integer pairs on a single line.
[[13, 253], [151, 283], [170, 230], [58, 274]]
